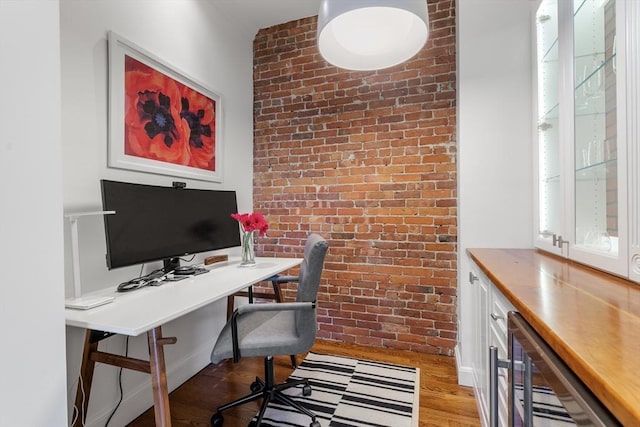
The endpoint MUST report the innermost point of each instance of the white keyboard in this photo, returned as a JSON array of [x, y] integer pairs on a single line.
[[85, 303]]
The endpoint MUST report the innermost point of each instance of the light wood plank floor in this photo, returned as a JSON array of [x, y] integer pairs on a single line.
[[442, 401]]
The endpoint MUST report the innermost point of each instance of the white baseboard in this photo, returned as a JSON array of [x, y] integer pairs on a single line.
[[465, 376], [137, 400]]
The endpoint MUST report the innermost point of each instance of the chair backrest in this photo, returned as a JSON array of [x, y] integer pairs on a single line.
[[315, 250]]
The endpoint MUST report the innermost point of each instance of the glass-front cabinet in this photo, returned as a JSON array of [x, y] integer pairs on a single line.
[[550, 178], [587, 132]]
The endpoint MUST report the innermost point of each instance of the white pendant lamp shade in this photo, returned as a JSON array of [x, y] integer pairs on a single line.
[[371, 34]]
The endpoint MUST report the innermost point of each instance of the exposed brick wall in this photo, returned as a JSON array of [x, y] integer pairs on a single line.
[[367, 160]]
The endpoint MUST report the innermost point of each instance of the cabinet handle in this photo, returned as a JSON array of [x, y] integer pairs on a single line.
[[496, 317], [559, 241], [472, 277], [494, 364]]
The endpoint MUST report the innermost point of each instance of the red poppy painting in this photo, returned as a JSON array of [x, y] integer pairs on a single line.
[[167, 123]]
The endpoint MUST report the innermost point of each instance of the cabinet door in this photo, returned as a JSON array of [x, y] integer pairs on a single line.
[[499, 307], [632, 91], [599, 226], [480, 362], [550, 186], [582, 82]]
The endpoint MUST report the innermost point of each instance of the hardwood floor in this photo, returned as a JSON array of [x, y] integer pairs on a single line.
[[442, 401]]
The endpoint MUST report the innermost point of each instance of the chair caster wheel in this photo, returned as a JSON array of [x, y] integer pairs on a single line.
[[306, 391], [314, 424], [217, 420], [255, 386]]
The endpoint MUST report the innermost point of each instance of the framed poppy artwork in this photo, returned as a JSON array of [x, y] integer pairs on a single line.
[[160, 120]]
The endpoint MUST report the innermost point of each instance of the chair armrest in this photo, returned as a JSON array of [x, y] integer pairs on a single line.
[[283, 279], [274, 306], [250, 308]]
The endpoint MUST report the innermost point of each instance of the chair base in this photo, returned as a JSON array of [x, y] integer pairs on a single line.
[[268, 391]]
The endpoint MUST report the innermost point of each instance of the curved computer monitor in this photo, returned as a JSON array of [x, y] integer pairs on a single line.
[[154, 223]]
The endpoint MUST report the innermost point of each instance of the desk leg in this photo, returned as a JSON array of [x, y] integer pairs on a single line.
[[86, 376], [159, 378]]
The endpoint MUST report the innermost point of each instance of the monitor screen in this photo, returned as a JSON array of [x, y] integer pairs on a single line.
[[157, 223]]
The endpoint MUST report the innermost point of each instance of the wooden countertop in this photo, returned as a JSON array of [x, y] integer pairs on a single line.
[[591, 319]]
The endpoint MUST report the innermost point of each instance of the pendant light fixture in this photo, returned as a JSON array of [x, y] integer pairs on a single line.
[[371, 34]]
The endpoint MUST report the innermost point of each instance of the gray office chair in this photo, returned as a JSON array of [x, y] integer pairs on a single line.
[[273, 329], [276, 295]]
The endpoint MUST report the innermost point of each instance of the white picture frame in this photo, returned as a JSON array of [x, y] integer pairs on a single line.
[[150, 130]]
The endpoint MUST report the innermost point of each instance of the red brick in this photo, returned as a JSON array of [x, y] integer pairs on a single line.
[[367, 159]]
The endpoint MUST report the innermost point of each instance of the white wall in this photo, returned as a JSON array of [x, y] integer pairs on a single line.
[[32, 383], [193, 37], [495, 181]]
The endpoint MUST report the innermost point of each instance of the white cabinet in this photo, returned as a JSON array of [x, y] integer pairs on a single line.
[[490, 323], [588, 174], [480, 358], [498, 309]]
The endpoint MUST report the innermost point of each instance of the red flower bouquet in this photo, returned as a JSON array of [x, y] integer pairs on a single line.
[[250, 224]]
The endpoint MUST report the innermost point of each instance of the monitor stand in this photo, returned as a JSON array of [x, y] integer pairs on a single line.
[[170, 264], [184, 271]]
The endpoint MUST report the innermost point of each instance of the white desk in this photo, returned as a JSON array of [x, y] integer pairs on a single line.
[[147, 309]]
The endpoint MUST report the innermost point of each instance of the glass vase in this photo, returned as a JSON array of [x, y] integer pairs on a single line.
[[248, 249]]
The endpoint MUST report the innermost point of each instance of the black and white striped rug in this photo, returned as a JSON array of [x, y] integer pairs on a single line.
[[351, 393]]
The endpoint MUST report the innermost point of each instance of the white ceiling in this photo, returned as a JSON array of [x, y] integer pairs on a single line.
[[257, 14]]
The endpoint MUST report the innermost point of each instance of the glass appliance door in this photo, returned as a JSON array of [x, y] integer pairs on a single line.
[[543, 391]]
